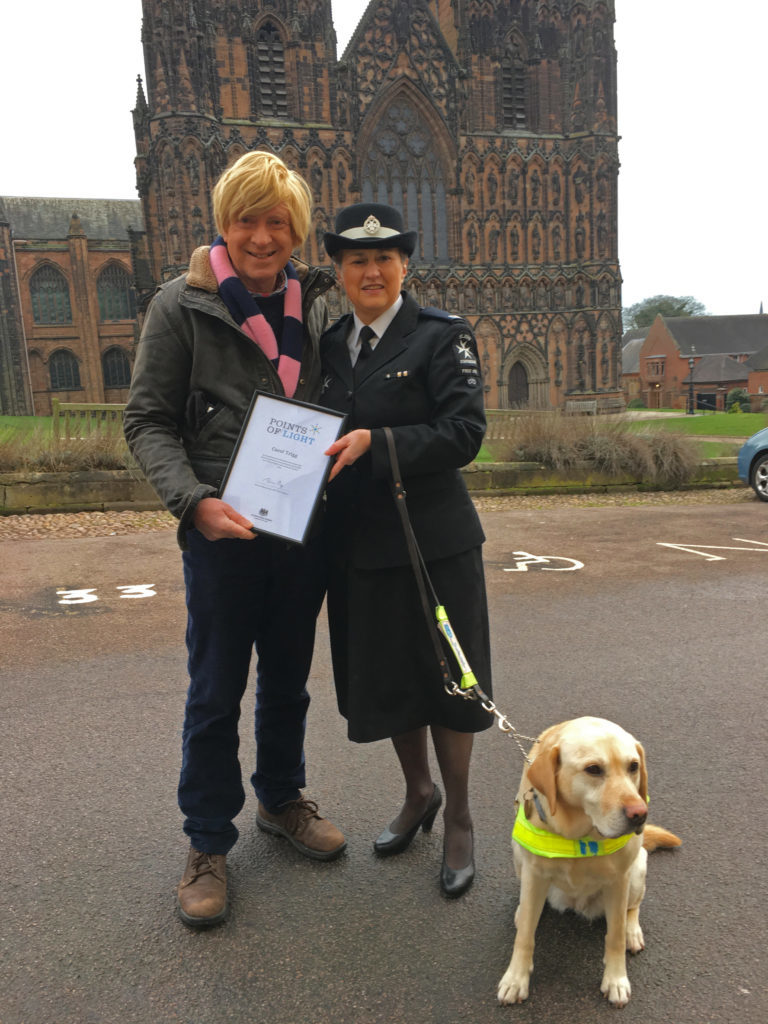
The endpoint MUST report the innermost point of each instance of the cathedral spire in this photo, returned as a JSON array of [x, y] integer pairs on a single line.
[[141, 101]]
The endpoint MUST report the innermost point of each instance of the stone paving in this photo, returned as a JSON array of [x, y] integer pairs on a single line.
[[112, 524]]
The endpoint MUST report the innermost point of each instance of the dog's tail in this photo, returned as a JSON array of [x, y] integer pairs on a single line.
[[655, 838]]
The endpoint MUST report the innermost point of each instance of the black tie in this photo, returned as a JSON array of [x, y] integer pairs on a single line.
[[365, 348]]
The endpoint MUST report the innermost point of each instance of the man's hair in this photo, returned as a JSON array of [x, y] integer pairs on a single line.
[[254, 184]]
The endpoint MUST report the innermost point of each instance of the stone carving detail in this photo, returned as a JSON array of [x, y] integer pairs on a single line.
[[382, 42], [493, 184], [469, 185], [341, 181], [555, 188], [513, 180], [557, 237], [493, 243], [472, 242], [514, 243]]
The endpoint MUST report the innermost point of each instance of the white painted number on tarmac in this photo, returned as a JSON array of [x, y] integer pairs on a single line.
[[138, 590], [88, 595], [77, 596], [547, 563], [705, 550]]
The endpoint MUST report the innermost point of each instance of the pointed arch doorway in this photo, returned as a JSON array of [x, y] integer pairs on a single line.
[[517, 386]]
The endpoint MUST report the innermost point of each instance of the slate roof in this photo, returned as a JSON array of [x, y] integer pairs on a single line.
[[630, 352], [711, 335], [47, 219], [759, 361], [717, 368]]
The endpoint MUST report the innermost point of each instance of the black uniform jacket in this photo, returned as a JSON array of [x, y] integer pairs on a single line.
[[422, 380]]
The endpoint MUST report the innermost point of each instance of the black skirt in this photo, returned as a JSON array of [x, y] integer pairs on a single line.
[[384, 663]]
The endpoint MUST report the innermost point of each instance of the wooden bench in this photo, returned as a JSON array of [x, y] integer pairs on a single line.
[[75, 420], [587, 405]]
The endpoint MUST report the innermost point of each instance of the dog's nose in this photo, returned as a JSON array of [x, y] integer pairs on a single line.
[[636, 815]]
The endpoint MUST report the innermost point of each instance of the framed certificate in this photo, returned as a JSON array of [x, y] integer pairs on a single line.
[[278, 468]]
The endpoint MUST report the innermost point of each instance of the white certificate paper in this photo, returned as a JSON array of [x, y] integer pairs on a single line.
[[278, 468]]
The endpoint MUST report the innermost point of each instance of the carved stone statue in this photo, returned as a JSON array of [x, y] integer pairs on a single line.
[[512, 191], [493, 185], [469, 185], [472, 242], [514, 243], [493, 244], [341, 181]]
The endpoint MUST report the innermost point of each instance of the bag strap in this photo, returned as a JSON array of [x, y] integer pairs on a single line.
[[417, 561]]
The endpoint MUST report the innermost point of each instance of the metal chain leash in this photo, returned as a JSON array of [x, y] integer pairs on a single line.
[[475, 693]]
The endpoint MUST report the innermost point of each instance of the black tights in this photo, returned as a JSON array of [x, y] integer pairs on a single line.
[[453, 751]]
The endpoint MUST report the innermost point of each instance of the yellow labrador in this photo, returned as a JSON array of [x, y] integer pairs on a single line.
[[580, 840]]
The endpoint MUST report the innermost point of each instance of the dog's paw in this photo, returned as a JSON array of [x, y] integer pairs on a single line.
[[635, 940], [512, 988], [616, 990]]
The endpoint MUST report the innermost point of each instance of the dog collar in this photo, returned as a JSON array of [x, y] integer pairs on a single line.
[[549, 844]]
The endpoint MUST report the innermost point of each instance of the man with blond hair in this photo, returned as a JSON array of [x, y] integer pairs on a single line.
[[246, 316]]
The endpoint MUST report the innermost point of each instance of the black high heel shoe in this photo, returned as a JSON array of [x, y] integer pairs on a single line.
[[389, 843], [455, 882]]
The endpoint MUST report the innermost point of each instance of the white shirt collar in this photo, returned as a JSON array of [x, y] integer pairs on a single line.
[[379, 325]]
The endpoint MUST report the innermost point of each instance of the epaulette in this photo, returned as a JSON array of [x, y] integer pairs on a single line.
[[343, 321], [440, 314]]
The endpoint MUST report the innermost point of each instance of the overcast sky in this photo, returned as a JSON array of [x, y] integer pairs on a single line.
[[692, 119]]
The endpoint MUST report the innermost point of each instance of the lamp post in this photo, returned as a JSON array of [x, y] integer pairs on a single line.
[[691, 364]]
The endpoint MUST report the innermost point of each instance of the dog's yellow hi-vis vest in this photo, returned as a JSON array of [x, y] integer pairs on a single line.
[[549, 844]]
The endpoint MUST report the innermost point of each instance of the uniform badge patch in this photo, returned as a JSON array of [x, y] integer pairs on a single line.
[[465, 350]]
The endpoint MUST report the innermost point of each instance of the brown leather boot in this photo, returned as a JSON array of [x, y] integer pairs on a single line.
[[299, 823], [202, 891]]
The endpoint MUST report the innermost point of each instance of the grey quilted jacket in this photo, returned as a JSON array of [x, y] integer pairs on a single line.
[[194, 378]]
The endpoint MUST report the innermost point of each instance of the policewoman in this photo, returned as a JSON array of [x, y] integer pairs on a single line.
[[391, 363]]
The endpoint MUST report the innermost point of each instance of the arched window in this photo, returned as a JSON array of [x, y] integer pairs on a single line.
[[116, 368], [64, 370], [50, 296], [513, 103], [403, 169], [266, 68], [116, 298]]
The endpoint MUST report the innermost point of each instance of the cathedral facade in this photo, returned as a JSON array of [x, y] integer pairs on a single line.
[[490, 123]]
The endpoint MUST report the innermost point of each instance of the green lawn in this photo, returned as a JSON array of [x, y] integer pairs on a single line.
[[718, 424], [718, 449], [18, 427]]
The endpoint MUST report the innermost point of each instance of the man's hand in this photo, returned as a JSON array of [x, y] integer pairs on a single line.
[[348, 449], [216, 520]]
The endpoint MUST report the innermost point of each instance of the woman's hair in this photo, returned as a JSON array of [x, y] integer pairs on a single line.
[[338, 255], [254, 184]]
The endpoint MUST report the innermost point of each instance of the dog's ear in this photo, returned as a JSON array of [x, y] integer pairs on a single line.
[[643, 784], [542, 774]]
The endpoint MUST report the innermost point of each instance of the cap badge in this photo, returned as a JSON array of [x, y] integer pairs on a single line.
[[372, 225]]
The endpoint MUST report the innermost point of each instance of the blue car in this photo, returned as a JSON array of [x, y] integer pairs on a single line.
[[752, 463]]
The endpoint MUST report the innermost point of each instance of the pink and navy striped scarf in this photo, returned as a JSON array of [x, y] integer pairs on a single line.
[[285, 353]]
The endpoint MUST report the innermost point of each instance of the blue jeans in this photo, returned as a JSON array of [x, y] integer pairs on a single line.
[[240, 594]]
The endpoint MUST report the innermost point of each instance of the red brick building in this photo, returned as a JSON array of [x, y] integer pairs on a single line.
[[727, 352], [757, 382], [68, 322], [491, 124]]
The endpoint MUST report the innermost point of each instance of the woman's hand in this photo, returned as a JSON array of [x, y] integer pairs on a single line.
[[217, 520], [348, 449]]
